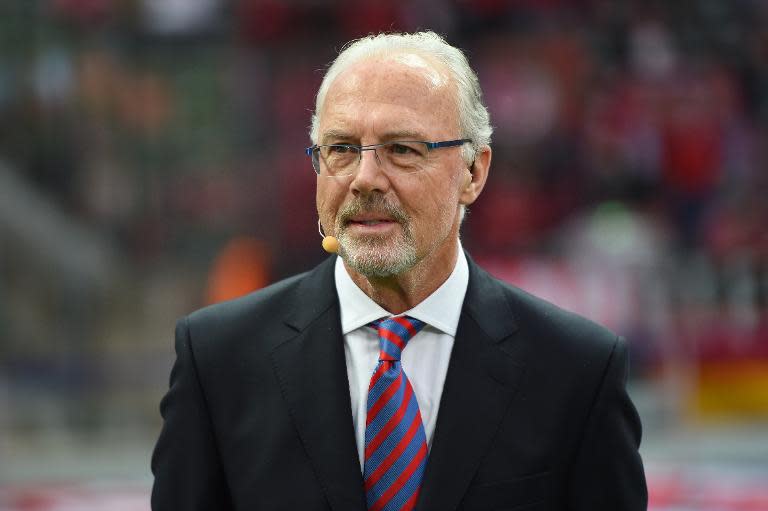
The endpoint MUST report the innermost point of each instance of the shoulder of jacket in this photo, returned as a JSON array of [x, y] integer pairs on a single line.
[[548, 322], [275, 296], [257, 319]]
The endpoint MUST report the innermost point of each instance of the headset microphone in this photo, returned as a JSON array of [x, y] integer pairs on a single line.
[[330, 243]]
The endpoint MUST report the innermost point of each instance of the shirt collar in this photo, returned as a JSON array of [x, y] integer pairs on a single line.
[[441, 309]]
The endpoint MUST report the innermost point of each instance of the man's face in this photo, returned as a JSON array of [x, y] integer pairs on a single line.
[[386, 221]]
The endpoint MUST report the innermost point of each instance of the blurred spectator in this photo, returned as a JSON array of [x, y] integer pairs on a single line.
[[240, 268]]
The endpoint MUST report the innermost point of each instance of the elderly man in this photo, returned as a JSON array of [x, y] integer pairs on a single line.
[[397, 375]]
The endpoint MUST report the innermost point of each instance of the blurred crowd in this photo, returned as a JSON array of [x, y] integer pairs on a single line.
[[151, 160]]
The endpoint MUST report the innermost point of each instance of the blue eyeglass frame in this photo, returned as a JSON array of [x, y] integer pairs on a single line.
[[430, 146]]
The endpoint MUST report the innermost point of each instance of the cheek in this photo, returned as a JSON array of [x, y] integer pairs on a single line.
[[441, 193], [434, 208], [328, 197], [320, 201]]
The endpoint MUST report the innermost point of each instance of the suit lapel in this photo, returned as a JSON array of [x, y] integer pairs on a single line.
[[485, 367], [312, 373]]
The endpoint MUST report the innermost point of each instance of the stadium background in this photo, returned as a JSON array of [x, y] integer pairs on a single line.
[[151, 161]]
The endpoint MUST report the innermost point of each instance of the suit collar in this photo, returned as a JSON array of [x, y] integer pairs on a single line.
[[486, 366], [311, 371], [315, 294], [485, 300], [486, 303]]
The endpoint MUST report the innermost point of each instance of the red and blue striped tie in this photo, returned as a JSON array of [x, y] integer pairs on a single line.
[[395, 443]]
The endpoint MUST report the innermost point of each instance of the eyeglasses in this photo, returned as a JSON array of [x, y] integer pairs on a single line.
[[401, 156]]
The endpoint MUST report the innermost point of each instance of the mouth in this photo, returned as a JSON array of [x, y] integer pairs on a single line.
[[370, 224], [371, 217]]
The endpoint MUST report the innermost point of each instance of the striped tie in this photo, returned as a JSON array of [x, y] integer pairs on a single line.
[[395, 443]]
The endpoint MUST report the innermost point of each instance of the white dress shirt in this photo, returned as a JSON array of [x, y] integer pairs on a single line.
[[424, 359]]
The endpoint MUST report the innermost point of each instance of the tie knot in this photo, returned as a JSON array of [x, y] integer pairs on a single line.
[[394, 334]]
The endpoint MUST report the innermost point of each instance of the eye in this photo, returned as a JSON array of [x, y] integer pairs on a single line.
[[406, 149], [339, 149], [397, 148]]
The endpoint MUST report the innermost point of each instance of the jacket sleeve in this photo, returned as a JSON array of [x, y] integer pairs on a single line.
[[186, 464], [608, 471]]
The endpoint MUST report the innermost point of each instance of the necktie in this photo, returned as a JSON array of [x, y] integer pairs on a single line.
[[395, 443]]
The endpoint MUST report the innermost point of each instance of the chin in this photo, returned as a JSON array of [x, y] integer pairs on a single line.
[[378, 258]]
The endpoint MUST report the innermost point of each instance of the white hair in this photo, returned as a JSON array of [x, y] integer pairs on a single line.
[[474, 122]]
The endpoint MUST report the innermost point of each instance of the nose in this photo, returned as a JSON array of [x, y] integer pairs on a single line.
[[372, 150], [370, 175]]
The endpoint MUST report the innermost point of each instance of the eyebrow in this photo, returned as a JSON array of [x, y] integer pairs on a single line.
[[403, 135], [336, 135]]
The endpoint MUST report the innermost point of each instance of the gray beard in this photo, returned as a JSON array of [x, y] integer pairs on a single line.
[[374, 256]]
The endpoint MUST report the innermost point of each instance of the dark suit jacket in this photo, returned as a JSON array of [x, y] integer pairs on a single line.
[[534, 413]]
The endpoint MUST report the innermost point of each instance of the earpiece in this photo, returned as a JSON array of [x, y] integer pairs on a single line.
[[330, 243]]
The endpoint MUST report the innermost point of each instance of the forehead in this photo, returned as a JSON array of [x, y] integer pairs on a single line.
[[404, 92]]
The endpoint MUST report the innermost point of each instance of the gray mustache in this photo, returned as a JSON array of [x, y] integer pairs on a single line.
[[372, 204]]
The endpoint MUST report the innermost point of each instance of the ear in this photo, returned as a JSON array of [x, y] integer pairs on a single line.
[[477, 175]]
